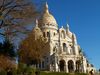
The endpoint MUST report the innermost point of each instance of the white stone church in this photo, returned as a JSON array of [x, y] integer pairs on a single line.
[[64, 53]]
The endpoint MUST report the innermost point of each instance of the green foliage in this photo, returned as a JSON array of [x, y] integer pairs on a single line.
[[54, 73], [80, 74], [60, 73], [3, 72], [14, 72], [29, 70], [23, 68], [7, 48]]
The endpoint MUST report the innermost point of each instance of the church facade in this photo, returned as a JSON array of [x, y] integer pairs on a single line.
[[64, 52]]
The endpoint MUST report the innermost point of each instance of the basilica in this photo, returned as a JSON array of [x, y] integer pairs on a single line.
[[65, 54]]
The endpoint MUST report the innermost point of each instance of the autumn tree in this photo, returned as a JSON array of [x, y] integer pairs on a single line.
[[5, 62], [34, 48], [14, 16], [7, 55]]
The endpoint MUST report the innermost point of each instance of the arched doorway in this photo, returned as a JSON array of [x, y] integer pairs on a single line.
[[78, 65], [70, 66], [62, 65]]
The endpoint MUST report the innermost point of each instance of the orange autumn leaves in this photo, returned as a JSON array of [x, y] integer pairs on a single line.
[[6, 62], [33, 49]]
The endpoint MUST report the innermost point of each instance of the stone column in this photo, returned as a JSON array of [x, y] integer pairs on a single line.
[[68, 49], [61, 48], [41, 64], [66, 67], [55, 62], [51, 67], [84, 65], [74, 66]]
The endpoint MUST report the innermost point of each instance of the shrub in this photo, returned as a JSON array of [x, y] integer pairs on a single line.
[[3, 72], [30, 70], [80, 74], [54, 73], [60, 73], [24, 69], [21, 68], [14, 72]]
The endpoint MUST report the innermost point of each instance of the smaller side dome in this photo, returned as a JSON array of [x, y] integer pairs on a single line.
[[36, 32]]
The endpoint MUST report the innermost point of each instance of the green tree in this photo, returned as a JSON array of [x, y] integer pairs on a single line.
[[7, 49]]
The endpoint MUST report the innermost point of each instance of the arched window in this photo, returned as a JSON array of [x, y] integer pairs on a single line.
[[54, 33], [64, 47], [44, 34], [48, 34], [63, 34], [54, 48]]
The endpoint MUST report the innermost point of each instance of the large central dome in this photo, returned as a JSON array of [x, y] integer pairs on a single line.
[[46, 18]]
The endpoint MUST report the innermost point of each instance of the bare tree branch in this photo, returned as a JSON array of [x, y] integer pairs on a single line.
[[7, 3], [15, 14]]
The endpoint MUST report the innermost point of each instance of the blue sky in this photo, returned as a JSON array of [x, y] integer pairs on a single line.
[[84, 21]]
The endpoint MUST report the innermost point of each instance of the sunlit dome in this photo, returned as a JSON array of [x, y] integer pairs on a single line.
[[47, 18]]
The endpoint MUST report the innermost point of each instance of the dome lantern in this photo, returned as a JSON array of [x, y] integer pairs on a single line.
[[36, 22], [46, 8]]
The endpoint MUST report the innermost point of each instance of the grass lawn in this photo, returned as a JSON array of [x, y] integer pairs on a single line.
[[60, 73]]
